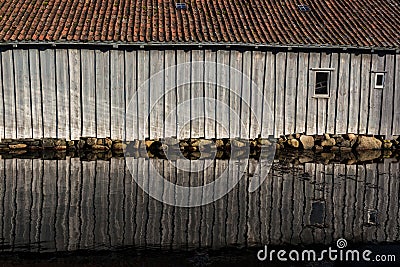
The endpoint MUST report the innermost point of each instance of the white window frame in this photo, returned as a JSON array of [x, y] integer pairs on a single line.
[[378, 86], [328, 71]]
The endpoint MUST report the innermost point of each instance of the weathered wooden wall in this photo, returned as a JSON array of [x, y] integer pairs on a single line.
[[70, 93], [71, 204]]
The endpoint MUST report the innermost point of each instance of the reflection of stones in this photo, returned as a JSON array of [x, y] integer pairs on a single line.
[[368, 155]]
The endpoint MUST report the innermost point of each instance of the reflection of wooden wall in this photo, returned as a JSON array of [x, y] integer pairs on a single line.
[[71, 204], [70, 93]]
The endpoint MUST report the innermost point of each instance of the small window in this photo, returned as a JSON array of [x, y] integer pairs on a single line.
[[180, 5], [379, 80], [322, 84], [303, 8]]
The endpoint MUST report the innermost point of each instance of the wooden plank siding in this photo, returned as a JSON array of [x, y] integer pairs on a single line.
[[72, 93]]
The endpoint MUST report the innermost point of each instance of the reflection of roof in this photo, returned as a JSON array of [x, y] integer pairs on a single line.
[[356, 23]]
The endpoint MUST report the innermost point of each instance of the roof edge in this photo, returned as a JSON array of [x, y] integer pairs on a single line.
[[252, 46]]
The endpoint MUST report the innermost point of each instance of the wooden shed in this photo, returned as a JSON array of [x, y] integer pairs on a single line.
[[72, 69]]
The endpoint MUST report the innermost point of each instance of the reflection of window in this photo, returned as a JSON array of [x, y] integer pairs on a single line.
[[322, 83], [379, 80]]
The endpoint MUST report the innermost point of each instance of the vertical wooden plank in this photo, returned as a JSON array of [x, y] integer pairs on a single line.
[[210, 80], [156, 94], [47, 64], [36, 92], [103, 93], [222, 99], [88, 93], [183, 89], [10, 123], [387, 105], [364, 92], [75, 92], [375, 96], [170, 129], [246, 95], [396, 99], [197, 86], [355, 94], [63, 105], [302, 89], [117, 94], [331, 109], [257, 99], [312, 112], [2, 128], [290, 92], [143, 87], [130, 94], [322, 103], [343, 94], [22, 93], [235, 85]]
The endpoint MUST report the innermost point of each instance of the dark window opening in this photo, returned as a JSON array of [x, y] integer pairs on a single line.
[[303, 8], [379, 80], [180, 5], [322, 83]]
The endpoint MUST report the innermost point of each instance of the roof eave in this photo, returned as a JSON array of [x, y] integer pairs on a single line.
[[200, 45]]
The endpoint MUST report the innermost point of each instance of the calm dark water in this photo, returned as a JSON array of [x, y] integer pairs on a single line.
[[64, 207]]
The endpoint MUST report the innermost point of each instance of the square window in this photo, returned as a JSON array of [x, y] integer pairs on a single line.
[[379, 80], [322, 79]]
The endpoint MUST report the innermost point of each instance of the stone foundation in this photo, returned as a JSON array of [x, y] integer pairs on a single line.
[[326, 142], [348, 148]]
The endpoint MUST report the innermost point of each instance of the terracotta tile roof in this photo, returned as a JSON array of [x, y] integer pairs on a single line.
[[359, 23]]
